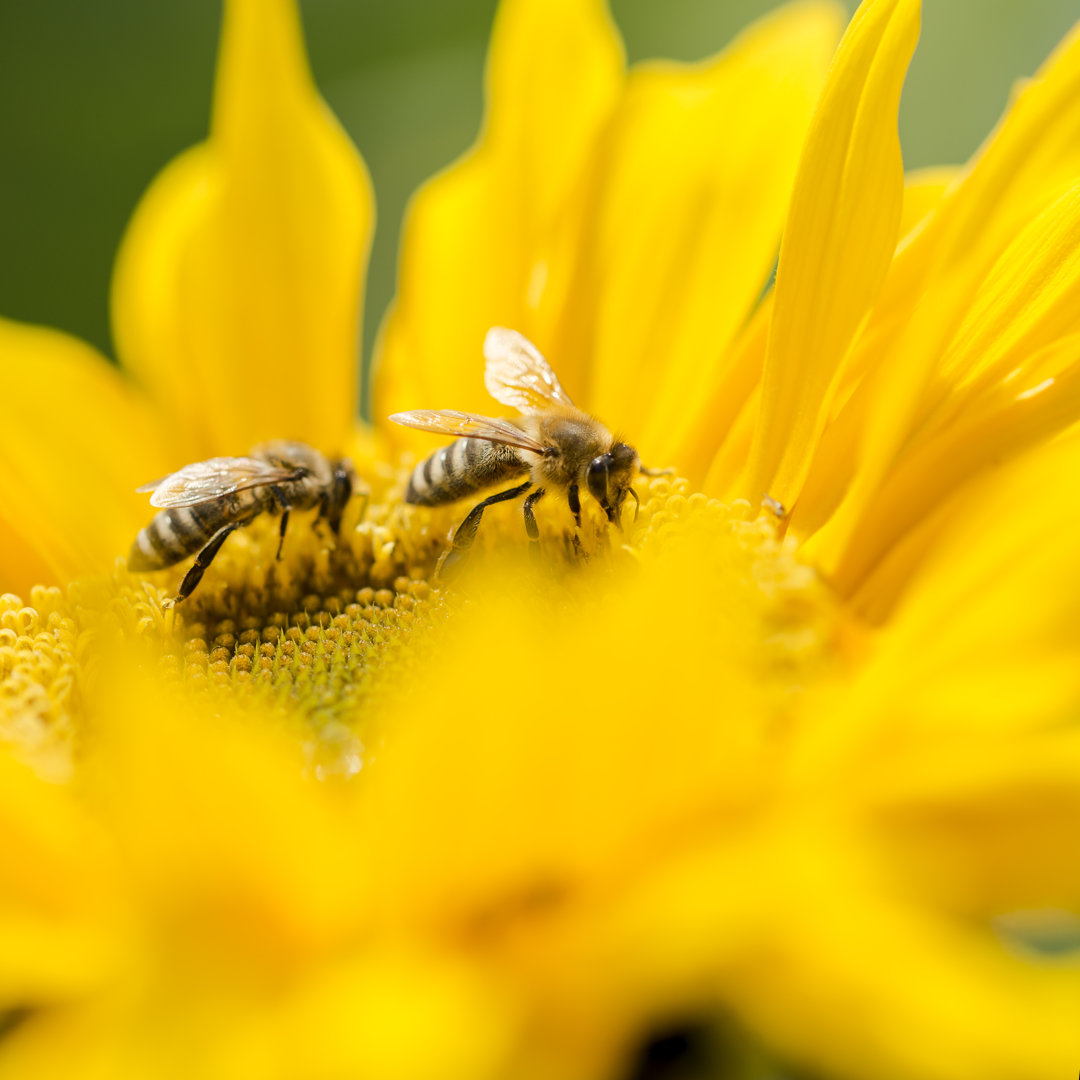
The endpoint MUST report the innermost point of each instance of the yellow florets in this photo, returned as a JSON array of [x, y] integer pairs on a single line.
[[321, 632]]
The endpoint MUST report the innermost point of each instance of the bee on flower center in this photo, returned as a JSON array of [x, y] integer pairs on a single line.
[[204, 502], [554, 443]]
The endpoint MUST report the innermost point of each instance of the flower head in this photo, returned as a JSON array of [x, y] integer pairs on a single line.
[[781, 773]]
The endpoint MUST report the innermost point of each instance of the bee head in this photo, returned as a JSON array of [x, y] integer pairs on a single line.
[[609, 477]]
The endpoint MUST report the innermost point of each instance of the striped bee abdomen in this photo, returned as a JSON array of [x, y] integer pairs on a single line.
[[461, 468], [174, 534]]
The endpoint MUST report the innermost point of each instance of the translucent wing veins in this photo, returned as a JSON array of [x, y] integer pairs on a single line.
[[212, 479], [517, 375], [469, 426]]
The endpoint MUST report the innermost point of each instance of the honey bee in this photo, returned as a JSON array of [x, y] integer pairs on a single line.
[[204, 502], [557, 445]]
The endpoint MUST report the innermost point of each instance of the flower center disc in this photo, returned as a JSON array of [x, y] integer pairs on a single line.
[[323, 632]]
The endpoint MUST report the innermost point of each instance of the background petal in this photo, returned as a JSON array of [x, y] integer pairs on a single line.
[[1005, 381], [238, 288], [984, 633], [678, 225], [77, 441], [474, 235], [838, 242], [1023, 166]]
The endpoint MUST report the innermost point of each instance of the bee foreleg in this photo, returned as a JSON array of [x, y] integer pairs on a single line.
[[574, 498], [203, 560], [465, 533], [530, 518]]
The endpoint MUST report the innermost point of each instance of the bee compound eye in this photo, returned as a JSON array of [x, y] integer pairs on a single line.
[[596, 477]]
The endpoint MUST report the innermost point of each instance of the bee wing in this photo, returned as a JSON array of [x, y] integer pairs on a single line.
[[517, 375], [469, 426], [212, 479]]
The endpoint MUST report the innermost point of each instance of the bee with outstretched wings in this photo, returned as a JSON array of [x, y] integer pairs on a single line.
[[552, 446]]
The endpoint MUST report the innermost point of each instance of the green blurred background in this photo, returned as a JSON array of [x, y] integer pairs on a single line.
[[96, 96]]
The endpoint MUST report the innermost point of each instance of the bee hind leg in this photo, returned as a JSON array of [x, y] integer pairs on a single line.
[[465, 533], [203, 560]]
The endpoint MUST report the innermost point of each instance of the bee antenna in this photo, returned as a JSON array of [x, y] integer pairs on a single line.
[[637, 503]]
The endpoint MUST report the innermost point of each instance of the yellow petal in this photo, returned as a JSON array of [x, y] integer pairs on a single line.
[[77, 441], [774, 931], [981, 825], [361, 1019], [923, 191], [145, 297], [1025, 162], [979, 1011], [680, 222], [707, 450], [429, 349], [986, 402], [229, 846], [833, 460], [54, 938], [984, 438], [1022, 167], [237, 291], [838, 242], [473, 235], [1027, 302], [985, 635], [457, 768], [728, 462]]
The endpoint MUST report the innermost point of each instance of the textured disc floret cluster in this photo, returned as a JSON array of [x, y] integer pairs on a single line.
[[317, 634]]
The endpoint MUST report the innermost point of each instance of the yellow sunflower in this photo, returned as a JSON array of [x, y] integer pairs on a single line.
[[783, 780]]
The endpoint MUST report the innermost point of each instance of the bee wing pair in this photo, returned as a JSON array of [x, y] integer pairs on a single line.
[[515, 375], [206, 480]]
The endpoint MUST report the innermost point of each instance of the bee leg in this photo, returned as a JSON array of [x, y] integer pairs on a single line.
[[333, 506], [281, 534], [575, 504], [284, 504], [203, 560], [530, 520], [465, 533], [573, 497]]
